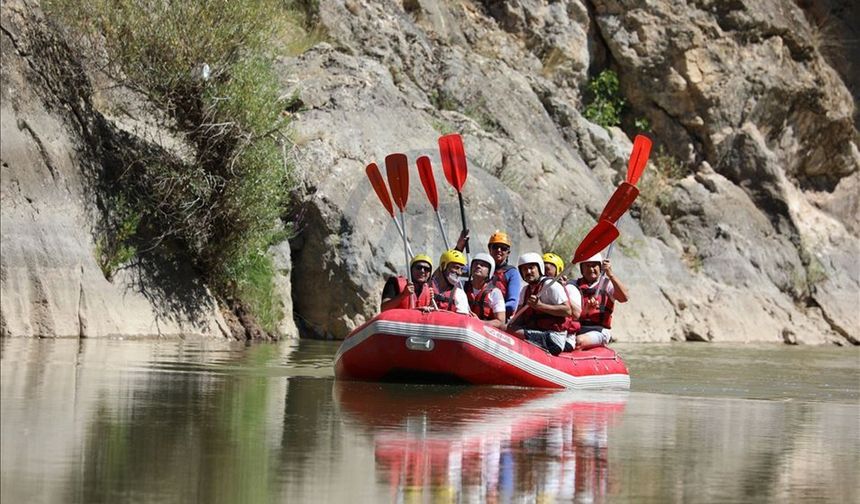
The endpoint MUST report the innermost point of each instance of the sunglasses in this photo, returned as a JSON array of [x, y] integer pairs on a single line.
[[421, 268], [503, 248]]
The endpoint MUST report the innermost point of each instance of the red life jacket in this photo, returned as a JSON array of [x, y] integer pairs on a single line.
[[444, 298], [480, 303], [536, 319], [600, 315], [423, 297], [499, 281]]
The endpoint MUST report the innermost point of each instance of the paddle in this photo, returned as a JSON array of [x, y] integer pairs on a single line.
[[626, 193], [601, 235], [397, 170], [619, 202], [425, 171], [454, 165], [382, 193], [638, 158], [596, 240]]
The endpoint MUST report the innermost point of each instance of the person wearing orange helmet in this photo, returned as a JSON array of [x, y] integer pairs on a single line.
[[506, 277], [598, 301]]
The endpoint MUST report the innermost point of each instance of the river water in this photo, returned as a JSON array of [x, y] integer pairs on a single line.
[[200, 421]]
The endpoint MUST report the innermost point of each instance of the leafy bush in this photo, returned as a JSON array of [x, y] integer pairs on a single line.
[[657, 182], [206, 65], [606, 102], [115, 248]]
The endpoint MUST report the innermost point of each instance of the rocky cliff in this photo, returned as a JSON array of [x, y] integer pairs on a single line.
[[61, 130], [754, 237], [747, 228]]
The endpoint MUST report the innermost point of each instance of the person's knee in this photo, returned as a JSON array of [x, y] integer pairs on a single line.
[[590, 340]]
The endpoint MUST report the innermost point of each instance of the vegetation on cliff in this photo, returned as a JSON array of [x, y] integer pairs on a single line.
[[206, 67]]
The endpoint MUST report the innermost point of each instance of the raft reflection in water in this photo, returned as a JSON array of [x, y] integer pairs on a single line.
[[486, 443]]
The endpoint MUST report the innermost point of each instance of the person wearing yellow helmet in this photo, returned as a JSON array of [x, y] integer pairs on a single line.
[[598, 301], [399, 292], [445, 285], [554, 266], [506, 278]]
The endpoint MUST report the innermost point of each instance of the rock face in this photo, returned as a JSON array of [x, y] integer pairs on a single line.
[[50, 135], [746, 230], [754, 238]]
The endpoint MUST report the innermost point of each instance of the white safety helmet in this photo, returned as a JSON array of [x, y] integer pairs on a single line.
[[531, 258], [595, 258], [485, 257]]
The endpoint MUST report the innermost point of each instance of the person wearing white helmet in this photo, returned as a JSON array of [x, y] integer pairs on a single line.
[[485, 300], [542, 322], [598, 301]]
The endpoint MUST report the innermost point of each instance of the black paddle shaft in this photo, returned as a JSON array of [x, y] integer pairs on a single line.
[[463, 217]]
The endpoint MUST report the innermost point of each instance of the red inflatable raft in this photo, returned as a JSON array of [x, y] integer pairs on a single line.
[[446, 347]]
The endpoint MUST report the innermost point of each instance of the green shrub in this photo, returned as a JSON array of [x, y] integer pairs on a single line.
[[115, 247], [606, 103], [642, 124], [223, 206], [656, 182], [256, 288]]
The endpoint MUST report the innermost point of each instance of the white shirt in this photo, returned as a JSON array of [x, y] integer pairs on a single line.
[[575, 295], [554, 295], [461, 302]]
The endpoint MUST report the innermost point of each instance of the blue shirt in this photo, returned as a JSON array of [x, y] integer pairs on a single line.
[[515, 285]]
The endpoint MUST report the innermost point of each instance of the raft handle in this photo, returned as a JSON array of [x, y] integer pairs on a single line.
[[420, 343]]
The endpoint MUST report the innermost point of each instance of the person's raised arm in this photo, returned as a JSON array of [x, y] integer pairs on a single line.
[[463, 240]]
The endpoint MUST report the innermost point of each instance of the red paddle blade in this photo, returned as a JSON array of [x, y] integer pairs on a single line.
[[453, 160], [619, 202], [379, 186], [638, 158], [596, 240], [425, 171], [397, 169]]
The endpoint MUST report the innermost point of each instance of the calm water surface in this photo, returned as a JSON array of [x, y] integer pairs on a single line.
[[156, 421]]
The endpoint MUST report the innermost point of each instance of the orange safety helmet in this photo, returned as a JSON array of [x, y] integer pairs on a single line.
[[499, 237]]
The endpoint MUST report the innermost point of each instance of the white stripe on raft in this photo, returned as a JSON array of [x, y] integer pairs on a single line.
[[482, 342]]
